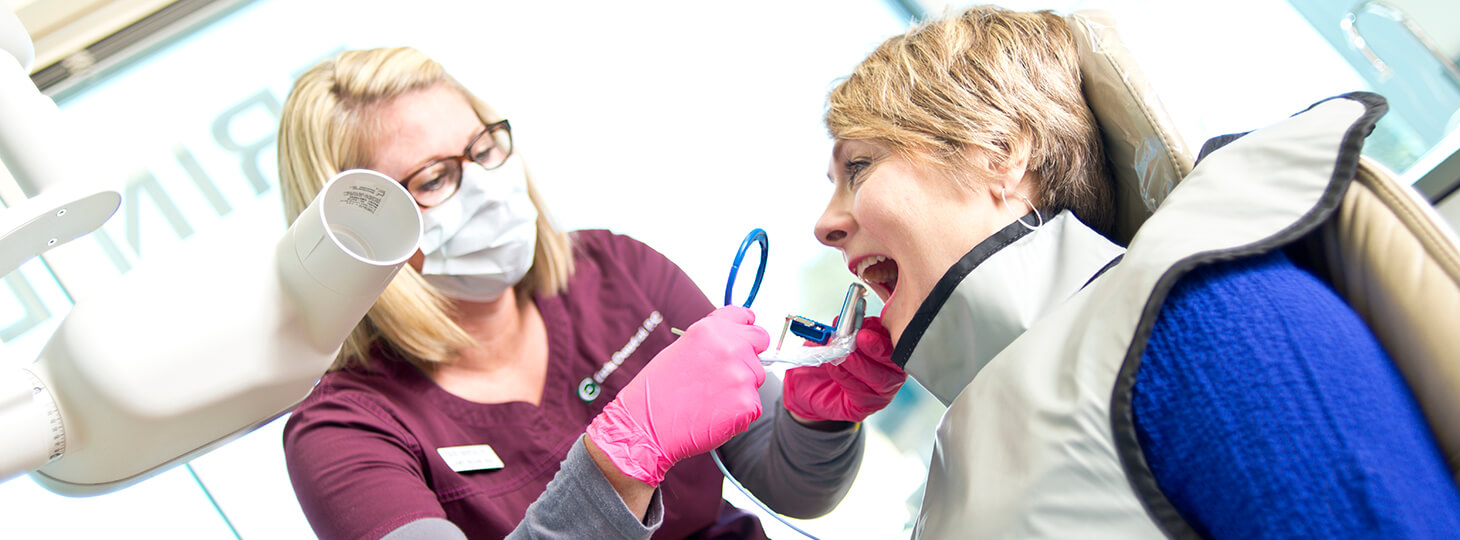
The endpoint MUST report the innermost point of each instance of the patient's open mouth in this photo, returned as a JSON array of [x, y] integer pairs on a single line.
[[880, 273]]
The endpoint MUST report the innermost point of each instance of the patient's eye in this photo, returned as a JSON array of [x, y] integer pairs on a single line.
[[855, 167]]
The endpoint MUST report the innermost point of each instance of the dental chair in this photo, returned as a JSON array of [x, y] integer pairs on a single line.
[[1385, 250]]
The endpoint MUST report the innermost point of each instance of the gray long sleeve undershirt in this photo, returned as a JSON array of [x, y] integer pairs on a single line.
[[793, 469]]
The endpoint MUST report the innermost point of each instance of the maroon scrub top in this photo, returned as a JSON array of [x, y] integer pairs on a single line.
[[362, 448]]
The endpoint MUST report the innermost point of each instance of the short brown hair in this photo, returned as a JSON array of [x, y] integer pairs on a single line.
[[988, 79]]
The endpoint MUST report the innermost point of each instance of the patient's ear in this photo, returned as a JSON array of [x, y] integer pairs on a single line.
[[1011, 174]]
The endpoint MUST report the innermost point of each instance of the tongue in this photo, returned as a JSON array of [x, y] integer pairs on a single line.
[[883, 273]]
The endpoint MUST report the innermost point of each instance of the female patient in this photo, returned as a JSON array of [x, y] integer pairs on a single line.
[[458, 406], [1233, 395]]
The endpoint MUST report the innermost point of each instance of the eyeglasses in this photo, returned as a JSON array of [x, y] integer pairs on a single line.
[[438, 180]]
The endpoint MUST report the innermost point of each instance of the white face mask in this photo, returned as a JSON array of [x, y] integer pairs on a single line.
[[480, 242]]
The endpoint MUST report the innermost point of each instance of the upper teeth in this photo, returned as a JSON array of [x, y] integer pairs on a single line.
[[867, 263]]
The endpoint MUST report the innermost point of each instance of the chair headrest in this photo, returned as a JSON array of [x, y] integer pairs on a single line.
[[1146, 153]]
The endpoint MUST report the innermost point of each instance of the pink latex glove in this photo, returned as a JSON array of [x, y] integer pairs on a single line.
[[693, 396], [862, 384]]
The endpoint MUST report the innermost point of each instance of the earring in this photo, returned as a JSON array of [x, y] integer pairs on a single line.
[[1018, 217]]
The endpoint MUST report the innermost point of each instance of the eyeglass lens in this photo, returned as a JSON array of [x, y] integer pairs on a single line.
[[440, 179]]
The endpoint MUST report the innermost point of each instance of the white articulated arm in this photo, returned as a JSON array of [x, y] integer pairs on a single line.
[[184, 354], [59, 203], [50, 212], [187, 353]]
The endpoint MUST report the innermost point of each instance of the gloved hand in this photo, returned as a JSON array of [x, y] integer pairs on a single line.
[[862, 384], [693, 396]]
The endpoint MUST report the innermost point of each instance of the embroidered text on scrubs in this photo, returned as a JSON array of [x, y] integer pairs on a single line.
[[618, 358]]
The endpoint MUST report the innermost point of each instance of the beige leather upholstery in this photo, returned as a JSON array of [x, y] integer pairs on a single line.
[[1392, 257], [1148, 156], [1386, 250]]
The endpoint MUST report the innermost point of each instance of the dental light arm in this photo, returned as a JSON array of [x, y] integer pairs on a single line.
[[185, 354], [53, 208]]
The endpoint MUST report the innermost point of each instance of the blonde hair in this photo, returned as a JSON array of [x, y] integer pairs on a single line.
[[325, 128], [986, 79]]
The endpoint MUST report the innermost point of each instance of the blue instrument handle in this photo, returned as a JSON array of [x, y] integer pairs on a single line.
[[756, 236]]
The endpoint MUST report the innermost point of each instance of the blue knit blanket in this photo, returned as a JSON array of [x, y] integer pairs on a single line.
[[1267, 409]]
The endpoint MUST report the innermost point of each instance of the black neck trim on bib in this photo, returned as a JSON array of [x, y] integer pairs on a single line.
[[949, 282]]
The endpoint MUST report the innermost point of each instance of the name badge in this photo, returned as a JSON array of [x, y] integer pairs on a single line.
[[476, 457]]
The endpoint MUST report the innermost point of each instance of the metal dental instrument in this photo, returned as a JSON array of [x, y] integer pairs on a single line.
[[836, 341], [848, 321]]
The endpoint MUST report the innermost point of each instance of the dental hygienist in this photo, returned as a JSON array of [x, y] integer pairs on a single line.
[[1200, 384], [459, 405]]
